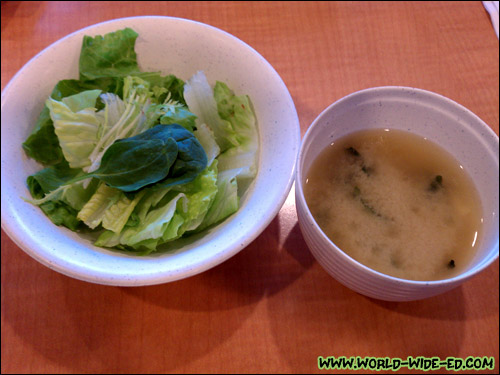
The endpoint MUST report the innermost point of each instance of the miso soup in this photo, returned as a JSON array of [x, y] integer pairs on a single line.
[[396, 203]]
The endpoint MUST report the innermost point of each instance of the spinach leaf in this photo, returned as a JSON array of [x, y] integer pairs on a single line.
[[168, 154], [130, 164], [191, 159]]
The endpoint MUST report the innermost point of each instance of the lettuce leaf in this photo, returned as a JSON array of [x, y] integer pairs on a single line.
[[172, 88], [50, 178], [226, 201], [149, 232], [170, 113], [62, 211], [200, 194], [238, 111], [200, 99], [68, 87], [178, 115], [121, 119], [42, 144], [53, 177], [117, 215], [165, 215], [76, 126], [109, 207], [111, 55], [94, 210], [205, 136], [114, 107]]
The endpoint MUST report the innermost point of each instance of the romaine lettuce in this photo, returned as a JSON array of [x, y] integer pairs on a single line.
[[166, 214], [200, 99], [238, 111], [111, 55]]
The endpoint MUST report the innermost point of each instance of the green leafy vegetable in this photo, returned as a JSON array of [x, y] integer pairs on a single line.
[[191, 158], [143, 158], [68, 87], [105, 61], [356, 194], [179, 115], [149, 157], [76, 125], [436, 183], [237, 110], [63, 211], [132, 163], [352, 151], [226, 201], [111, 55], [109, 207], [93, 211], [121, 118], [171, 87], [42, 144], [205, 136], [50, 178], [165, 214], [200, 99]]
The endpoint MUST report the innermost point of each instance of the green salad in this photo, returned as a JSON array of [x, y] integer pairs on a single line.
[[140, 158]]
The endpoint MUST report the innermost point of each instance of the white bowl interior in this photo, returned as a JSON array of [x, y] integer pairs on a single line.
[[170, 46], [427, 114]]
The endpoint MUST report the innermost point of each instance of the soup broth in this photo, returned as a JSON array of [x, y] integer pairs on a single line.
[[396, 203]]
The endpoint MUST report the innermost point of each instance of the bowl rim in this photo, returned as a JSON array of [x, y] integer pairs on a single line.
[[121, 19], [15, 231], [353, 262]]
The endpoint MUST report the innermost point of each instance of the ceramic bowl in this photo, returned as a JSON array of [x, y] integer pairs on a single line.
[[171, 46], [429, 115]]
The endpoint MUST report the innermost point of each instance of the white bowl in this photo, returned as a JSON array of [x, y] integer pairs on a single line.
[[172, 46], [424, 113]]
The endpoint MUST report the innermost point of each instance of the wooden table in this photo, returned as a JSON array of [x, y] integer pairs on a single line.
[[271, 308]]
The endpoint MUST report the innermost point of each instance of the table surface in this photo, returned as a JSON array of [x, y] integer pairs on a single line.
[[270, 308]]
